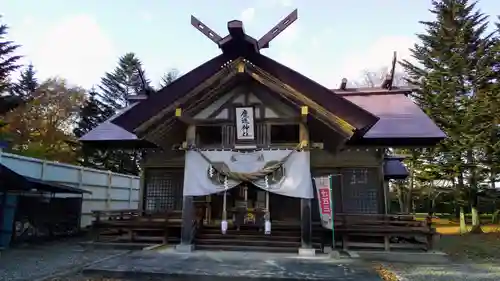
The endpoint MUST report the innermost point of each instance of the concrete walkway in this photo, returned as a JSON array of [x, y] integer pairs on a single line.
[[218, 266], [37, 262]]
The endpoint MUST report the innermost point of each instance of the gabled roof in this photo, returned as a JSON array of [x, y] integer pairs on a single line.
[[357, 117], [132, 119], [360, 112], [401, 121]]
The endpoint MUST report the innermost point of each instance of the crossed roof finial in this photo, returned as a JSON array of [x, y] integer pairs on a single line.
[[237, 35]]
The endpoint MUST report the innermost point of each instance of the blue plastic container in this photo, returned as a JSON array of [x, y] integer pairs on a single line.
[[8, 203]]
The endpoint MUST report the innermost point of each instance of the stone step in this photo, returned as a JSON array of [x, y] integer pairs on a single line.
[[250, 232], [247, 237], [252, 237], [247, 248], [250, 249], [253, 243], [273, 226]]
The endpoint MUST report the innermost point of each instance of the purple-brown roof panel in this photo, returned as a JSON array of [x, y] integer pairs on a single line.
[[109, 133], [399, 116], [394, 168]]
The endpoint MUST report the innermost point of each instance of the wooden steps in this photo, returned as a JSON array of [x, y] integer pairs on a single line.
[[283, 239]]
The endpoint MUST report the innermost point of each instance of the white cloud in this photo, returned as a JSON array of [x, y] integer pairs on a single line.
[[291, 60], [74, 48], [377, 55], [146, 16], [291, 33], [28, 20], [247, 15], [329, 70], [286, 3]]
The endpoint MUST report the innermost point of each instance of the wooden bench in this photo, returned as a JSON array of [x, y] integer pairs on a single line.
[[391, 229]]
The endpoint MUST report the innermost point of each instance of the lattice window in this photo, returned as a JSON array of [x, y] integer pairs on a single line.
[[261, 133], [360, 191], [164, 189], [359, 176], [228, 135]]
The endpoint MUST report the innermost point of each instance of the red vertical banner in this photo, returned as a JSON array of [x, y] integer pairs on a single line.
[[324, 200]]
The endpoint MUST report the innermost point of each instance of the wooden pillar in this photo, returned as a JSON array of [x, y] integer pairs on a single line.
[[305, 214], [306, 226], [387, 200], [188, 209], [142, 189], [187, 219]]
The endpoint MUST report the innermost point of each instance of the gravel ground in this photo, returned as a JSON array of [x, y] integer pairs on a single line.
[[38, 262], [445, 272]]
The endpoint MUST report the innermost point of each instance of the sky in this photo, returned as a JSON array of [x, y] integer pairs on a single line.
[[81, 40]]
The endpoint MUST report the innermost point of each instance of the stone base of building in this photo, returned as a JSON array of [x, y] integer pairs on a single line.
[[307, 252], [184, 248]]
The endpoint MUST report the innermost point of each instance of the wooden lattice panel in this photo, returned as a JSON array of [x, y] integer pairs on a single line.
[[164, 189], [360, 189]]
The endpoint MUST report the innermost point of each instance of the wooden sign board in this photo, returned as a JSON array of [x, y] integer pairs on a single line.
[[245, 125]]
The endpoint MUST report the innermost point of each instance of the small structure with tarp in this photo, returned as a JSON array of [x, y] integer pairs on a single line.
[[237, 141], [30, 210]]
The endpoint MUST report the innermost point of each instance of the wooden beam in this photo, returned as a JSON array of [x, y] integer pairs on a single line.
[[178, 112], [241, 67], [235, 28], [209, 33], [224, 74], [343, 84], [304, 130], [183, 118], [275, 84], [193, 105], [276, 30], [389, 79], [304, 111], [190, 137]]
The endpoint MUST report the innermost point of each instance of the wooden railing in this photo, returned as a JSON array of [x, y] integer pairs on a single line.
[[131, 225], [396, 231], [125, 214]]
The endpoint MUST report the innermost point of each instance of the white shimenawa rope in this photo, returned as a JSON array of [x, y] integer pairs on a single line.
[[267, 222], [223, 224]]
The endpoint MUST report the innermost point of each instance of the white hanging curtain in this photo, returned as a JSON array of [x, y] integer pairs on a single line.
[[201, 176]]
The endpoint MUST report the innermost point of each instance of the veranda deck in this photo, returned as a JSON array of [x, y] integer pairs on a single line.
[[387, 232], [352, 231]]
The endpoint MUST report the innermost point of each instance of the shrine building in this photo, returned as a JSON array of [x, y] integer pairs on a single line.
[[235, 146]]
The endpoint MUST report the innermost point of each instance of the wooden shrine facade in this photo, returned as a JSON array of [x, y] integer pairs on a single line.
[[245, 102]]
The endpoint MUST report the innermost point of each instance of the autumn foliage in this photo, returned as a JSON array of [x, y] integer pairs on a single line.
[[42, 127]]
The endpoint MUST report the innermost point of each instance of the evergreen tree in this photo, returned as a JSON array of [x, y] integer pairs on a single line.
[[127, 79], [8, 59], [169, 77], [491, 101], [92, 113], [27, 83], [453, 59]]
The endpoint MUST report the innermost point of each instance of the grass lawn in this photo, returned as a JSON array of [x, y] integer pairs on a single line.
[[476, 248], [453, 229]]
